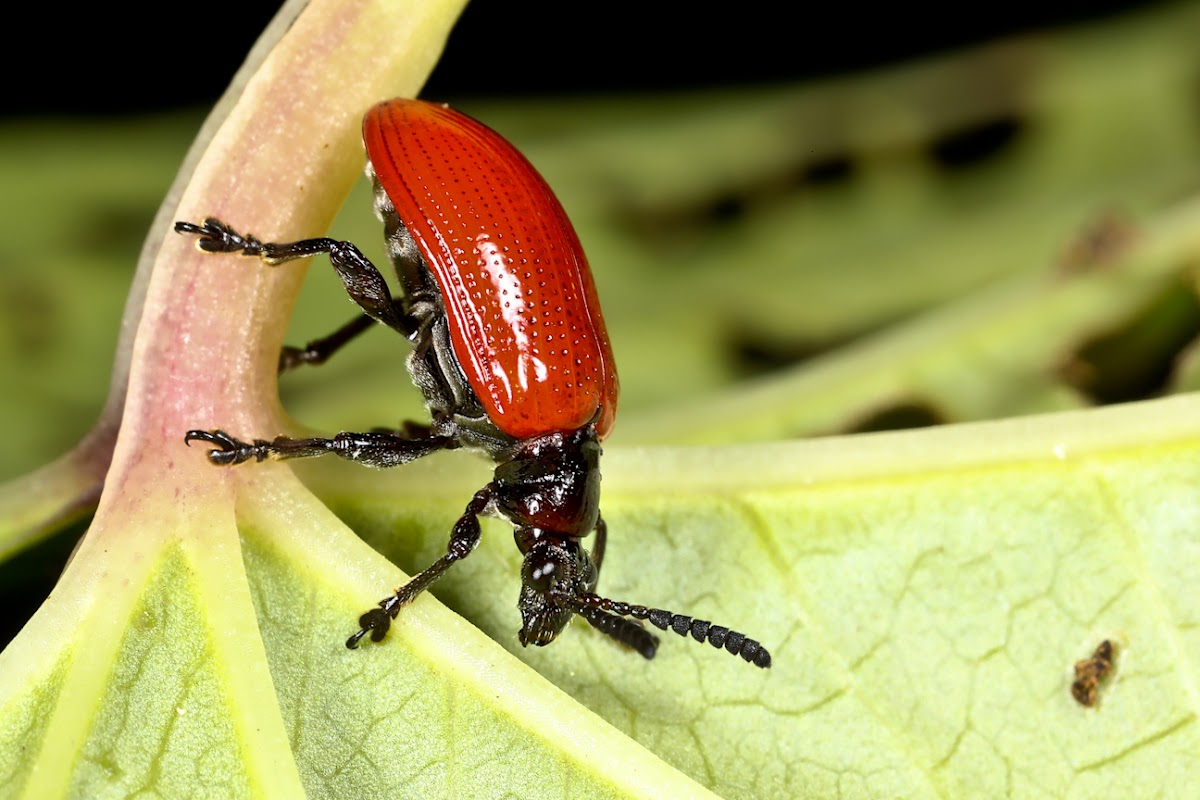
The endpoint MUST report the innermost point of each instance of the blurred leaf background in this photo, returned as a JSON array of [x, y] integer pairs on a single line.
[[793, 233]]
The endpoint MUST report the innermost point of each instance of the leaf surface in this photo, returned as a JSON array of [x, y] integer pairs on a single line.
[[925, 595]]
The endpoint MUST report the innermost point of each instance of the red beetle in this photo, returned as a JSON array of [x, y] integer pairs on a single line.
[[509, 350]]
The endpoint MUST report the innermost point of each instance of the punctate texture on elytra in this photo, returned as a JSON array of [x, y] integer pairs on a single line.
[[520, 299]]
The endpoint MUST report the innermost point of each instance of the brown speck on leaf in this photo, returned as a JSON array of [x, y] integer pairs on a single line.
[[1101, 242], [1090, 672]]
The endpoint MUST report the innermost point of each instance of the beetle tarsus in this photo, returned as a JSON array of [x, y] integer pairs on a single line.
[[376, 622], [217, 237], [464, 538], [228, 450]]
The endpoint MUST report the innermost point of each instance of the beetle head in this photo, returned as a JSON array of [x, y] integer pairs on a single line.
[[555, 572]]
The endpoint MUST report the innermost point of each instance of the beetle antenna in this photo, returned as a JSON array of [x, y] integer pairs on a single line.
[[592, 607], [628, 632]]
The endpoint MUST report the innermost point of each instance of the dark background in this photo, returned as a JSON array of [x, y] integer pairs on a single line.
[[97, 60]]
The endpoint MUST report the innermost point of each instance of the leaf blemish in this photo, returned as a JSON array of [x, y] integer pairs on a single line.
[[1090, 672]]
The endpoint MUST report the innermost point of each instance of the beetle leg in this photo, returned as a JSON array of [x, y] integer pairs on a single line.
[[318, 351], [601, 530], [374, 449], [362, 279], [464, 537], [413, 430]]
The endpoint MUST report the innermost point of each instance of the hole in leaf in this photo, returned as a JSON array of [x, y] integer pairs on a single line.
[[116, 228], [753, 351], [752, 354], [827, 171], [1135, 361], [729, 208], [900, 416], [735, 201], [27, 578], [973, 145]]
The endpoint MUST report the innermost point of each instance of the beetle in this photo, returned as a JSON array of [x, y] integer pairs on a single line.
[[509, 349]]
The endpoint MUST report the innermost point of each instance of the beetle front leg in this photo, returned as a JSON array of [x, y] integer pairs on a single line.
[[464, 538], [362, 279], [374, 449]]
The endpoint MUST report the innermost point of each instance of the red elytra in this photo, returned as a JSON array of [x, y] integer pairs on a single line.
[[524, 319]]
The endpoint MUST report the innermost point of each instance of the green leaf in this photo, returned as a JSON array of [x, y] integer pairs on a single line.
[[925, 594]]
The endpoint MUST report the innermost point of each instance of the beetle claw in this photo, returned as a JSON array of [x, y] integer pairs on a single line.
[[376, 622], [217, 237], [227, 450]]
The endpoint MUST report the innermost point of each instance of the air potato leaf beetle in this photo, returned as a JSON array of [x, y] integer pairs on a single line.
[[509, 350]]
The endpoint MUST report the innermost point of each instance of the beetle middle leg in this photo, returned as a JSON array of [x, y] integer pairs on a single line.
[[318, 351], [464, 538]]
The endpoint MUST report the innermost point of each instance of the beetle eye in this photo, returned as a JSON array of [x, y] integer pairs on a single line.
[[548, 568], [540, 575]]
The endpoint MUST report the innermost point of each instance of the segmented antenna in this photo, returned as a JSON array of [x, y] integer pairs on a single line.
[[626, 631], [701, 630]]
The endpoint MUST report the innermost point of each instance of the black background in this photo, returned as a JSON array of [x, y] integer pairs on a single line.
[[100, 59]]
